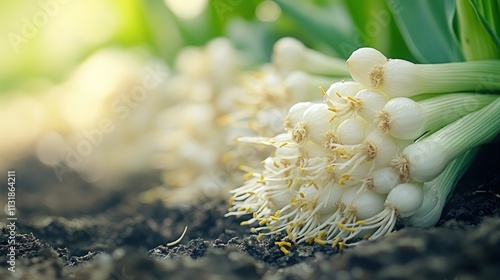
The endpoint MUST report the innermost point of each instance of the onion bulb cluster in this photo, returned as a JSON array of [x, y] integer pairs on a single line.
[[350, 167], [221, 100]]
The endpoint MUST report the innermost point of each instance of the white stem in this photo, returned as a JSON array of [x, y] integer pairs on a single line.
[[461, 76], [445, 109]]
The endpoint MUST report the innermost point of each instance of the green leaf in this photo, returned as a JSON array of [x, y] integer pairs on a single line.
[[330, 24], [372, 20], [426, 29], [222, 12], [489, 17], [477, 42], [451, 12], [377, 29]]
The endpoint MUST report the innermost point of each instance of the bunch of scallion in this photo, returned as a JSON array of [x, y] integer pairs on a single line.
[[385, 148]]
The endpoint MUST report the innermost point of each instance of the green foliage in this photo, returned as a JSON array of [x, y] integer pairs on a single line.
[[479, 27], [488, 12], [376, 24], [426, 27]]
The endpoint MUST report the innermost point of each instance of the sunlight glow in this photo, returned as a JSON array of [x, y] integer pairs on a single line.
[[186, 9], [268, 11]]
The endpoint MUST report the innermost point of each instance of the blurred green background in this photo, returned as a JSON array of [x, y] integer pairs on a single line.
[[44, 39]]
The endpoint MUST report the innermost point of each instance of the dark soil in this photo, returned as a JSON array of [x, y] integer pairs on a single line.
[[73, 230]]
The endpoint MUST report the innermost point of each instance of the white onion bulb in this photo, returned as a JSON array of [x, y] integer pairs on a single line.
[[373, 102], [368, 204], [288, 54], [361, 62], [344, 89], [402, 117], [406, 198], [426, 160], [351, 131], [296, 113], [330, 197], [385, 146], [313, 150], [279, 200], [317, 118], [384, 180], [349, 195], [401, 78]]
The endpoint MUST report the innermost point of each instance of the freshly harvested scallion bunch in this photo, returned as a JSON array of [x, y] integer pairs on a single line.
[[350, 168], [397, 77]]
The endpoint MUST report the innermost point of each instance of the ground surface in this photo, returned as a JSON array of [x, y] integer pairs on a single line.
[[70, 230]]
